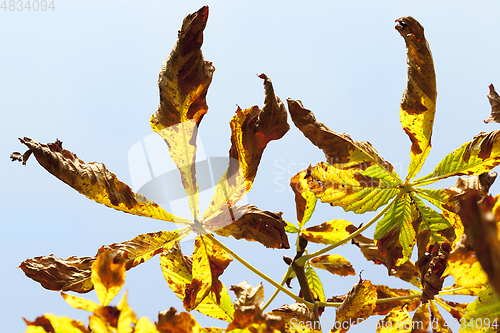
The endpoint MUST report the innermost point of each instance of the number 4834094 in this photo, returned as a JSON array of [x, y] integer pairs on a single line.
[[20, 5]]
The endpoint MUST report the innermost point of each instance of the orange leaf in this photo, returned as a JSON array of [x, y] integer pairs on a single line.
[[108, 274]]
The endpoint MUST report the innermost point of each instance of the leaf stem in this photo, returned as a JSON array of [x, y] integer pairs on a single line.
[[259, 273], [276, 292], [303, 259]]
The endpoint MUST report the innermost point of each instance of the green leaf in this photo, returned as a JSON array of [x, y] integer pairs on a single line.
[[291, 228], [352, 187], [418, 106], [315, 284], [475, 157], [484, 311], [399, 218]]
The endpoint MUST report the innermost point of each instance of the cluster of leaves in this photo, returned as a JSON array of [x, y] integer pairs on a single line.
[[353, 177]]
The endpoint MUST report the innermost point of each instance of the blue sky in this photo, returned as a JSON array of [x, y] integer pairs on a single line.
[[87, 72]]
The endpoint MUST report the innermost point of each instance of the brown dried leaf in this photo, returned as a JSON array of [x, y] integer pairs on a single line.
[[406, 272], [432, 267], [298, 318], [60, 274], [480, 184], [171, 322], [252, 224], [252, 317], [248, 295], [358, 305], [251, 130], [95, 181], [482, 232], [52, 324], [495, 106]]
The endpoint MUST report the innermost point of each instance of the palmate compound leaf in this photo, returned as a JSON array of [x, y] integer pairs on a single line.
[[95, 181], [418, 106], [74, 274], [177, 270], [183, 82], [355, 177], [251, 130]]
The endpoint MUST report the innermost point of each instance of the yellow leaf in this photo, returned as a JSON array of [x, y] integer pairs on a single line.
[[305, 200], [95, 181], [397, 321], [330, 232], [438, 324], [358, 305], [80, 303], [127, 318], [251, 130], [334, 263], [53, 324], [418, 106], [108, 275], [145, 326], [251, 319], [172, 322]]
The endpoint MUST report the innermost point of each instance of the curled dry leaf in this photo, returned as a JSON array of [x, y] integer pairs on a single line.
[[169, 321], [95, 181], [251, 130], [482, 232], [418, 106], [358, 305], [250, 223], [480, 184], [252, 318], [248, 295], [495, 106], [432, 267], [294, 314], [72, 274], [406, 272]]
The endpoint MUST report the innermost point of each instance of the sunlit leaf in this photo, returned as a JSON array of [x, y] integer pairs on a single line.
[[432, 267], [305, 200], [419, 100], [358, 305], [358, 188], [177, 271], [298, 318], [330, 232], [483, 315], [334, 263], [439, 198], [108, 275], [49, 323], [400, 219], [495, 105], [315, 284], [183, 82], [474, 158], [250, 223], [209, 262], [438, 323], [457, 310], [247, 295], [95, 181], [60, 274], [421, 319], [478, 183], [382, 308], [145, 326], [251, 130], [80, 303], [127, 318], [291, 228], [169, 321], [406, 272], [397, 320], [251, 319]]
